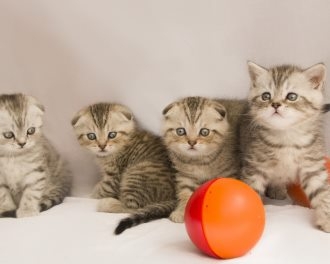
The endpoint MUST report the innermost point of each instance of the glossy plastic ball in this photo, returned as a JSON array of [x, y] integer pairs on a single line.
[[225, 218]]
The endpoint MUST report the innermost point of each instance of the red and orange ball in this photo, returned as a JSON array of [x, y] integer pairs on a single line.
[[225, 218]]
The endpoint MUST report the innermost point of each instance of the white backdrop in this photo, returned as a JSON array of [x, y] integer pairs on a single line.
[[148, 53]]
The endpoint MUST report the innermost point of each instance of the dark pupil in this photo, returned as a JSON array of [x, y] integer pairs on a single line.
[[112, 134], [180, 131], [8, 135], [31, 130], [91, 136], [265, 96], [292, 96], [204, 132]]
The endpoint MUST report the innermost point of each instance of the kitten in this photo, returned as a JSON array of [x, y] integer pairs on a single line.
[[33, 177], [281, 136], [137, 176], [201, 137]]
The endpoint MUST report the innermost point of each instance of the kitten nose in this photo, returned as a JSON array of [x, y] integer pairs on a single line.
[[102, 146], [192, 142], [276, 105], [22, 144]]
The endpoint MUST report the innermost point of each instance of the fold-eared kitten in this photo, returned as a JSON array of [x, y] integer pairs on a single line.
[[137, 176], [282, 134], [33, 177], [201, 137]]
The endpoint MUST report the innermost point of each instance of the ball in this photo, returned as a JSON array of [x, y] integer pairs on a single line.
[[224, 218], [296, 193]]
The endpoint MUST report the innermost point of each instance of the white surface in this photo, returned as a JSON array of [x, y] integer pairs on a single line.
[[74, 233], [148, 53]]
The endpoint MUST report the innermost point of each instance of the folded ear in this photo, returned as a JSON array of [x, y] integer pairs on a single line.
[[220, 109], [255, 70], [127, 113], [35, 102], [168, 108], [77, 116], [316, 75]]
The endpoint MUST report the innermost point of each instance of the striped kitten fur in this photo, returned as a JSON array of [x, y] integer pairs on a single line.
[[201, 137], [137, 176], [33, 177], [282, 135]]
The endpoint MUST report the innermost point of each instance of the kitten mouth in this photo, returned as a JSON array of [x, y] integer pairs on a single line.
[[276, 113]]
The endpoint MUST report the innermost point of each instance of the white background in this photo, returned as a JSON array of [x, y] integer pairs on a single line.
[[146, 54]]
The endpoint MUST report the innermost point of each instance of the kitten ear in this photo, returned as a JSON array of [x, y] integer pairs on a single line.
[[125, 112], [255, 70], [220, 109], [168, 108], [77, 116], [35, 102], [316, 75]]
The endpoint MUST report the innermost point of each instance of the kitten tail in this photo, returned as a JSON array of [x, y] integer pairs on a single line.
[[146, 214], [326, 108]]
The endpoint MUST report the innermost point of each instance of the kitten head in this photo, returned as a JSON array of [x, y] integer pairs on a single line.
[[103, 128], [194, 127], [284, 96], [20, 122]]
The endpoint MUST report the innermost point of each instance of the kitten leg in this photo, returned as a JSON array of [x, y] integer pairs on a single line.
[[111, 205], [32, 194], [108, 186], [6, 201], [177, 215], [276, 192], [314, 181], [255, 179]]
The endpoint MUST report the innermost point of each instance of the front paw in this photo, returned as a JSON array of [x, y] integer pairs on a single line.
[[6, 207], [177, 216], [26, 212], [322, 219], [110, 205], [276, 192], [97, 193]]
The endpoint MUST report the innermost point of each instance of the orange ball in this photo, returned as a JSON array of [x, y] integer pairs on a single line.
[[296, 193], [225, 218]]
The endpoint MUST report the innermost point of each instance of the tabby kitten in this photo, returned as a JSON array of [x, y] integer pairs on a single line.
[[137, 176], [33, 177], [281, 136], [201, 137]]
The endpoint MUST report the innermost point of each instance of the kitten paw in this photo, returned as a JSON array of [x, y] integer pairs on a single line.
[[110, 205], [26, 212], [177, 216], [322, 216], [7, 206], [276, 192]]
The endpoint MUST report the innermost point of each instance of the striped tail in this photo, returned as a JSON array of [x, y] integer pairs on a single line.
[[326, 108], [146, 214]]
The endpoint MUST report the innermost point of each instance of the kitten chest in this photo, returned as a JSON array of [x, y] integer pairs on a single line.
[[15, 170], [285, 168]]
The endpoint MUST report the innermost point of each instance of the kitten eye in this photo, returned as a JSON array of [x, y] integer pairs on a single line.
[[180, 131], [8, 135], [292, 96], [112, 135], [31, 131], [204, 132], [266, 96], [91, 136]]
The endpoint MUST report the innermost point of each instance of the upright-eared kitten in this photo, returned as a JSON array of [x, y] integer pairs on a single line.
[[33, 176], [201, 137], [282, 137], [137, 176]]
